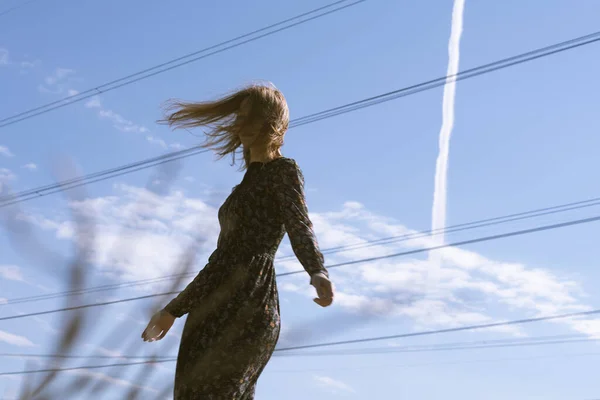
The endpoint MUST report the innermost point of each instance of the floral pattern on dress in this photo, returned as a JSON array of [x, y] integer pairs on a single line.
[[233, 321]]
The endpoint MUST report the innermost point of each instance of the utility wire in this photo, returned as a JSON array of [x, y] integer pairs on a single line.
[[469, 73], [38, 190], [392, 350], [354, 262], [376, 242], [344, 342], [437, 363], [15, 8], [296, 371], [463, 242], [88, 367], [86, 180], [483, 344], [413, 89], [447, 330], [183, 60]]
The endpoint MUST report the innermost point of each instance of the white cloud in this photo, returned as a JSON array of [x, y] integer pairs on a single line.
[[45, 326], [30, 166], [163, 144], [23, 66], [119, 122], [58, 82], [60, 74], [6, 175], [15, 340], [94, 102], [157, 228], [104, 351], [98, 376], [95, 375], [6, 152], [4, 58], [11, 273], [11, 393], [118, 354], [333, 385], [156, 141], [29, 64]]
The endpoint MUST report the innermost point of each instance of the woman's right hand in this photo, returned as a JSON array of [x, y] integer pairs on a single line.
[[324, 289], [159, 325]]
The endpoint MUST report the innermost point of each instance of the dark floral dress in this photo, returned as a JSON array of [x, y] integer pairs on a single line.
[[233, 304]]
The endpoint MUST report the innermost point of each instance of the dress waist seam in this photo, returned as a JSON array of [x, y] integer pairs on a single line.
[[233, 256]]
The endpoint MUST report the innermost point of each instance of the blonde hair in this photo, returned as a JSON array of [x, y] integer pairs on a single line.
[[257, 106]]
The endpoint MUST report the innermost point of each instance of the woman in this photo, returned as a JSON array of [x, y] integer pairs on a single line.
[[233, 305]]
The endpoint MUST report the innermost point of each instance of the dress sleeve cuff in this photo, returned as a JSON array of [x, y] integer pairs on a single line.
[[171, 310], [321, 274]]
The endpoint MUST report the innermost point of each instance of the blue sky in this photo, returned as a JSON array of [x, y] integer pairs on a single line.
[[524, 138]]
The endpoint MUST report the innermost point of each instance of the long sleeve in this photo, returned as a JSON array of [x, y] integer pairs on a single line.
[[289, 192], [195, 292]]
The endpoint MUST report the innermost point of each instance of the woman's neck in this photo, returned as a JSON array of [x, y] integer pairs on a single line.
[[262, 155]]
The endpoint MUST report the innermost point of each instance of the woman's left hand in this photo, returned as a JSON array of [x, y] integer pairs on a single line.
[[324, 290], [158, 326]]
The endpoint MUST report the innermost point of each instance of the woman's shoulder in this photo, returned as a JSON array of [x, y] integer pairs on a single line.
[[285, 161], [285, 164], [286, 170]]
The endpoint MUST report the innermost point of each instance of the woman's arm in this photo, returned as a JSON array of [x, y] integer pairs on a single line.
[[289, 192], [194, 292]]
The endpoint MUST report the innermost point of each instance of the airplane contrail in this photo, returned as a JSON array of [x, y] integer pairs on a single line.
[[438, 220]]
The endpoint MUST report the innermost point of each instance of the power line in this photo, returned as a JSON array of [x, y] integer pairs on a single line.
[[183, 60], [105, 303], [354, 262], [17, 7], [31, 194], [447, 330], [88, 367], [470, 73], [344, 342], [463, 242], [102, 175], [321, 370], [331, 113], [389, 350], [438, 363], [387, 240], [70, 356], [482, 344], [350, 107]]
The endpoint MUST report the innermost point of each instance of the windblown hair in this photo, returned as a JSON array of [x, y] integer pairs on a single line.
[[256, 107]]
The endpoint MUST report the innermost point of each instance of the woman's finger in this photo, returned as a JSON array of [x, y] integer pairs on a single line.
[[162, 334], [323, 302], [325, 292], [149, 333], [145, 333], [320, 291]]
